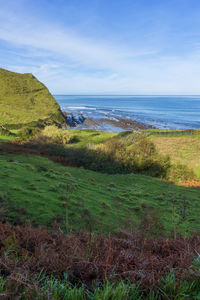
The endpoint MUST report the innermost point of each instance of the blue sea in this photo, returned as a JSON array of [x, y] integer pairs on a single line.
[[173, 112]]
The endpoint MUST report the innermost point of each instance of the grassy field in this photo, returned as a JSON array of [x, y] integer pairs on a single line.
[[185, 131], [37, 189], [181, 149], [80, 138], [4, 138], [22, 93]]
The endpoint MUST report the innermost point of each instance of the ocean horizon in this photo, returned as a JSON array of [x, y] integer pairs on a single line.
[[161, 111]]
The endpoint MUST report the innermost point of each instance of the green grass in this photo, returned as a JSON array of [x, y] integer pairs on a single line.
[[24, 99], [43, 287], [196, 131], [4, 138], [181, 149], [85, 137], [37, 189]]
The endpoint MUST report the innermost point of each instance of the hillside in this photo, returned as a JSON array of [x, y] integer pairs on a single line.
[[110, 236], [24, 100], [36, 189], [183, 149]]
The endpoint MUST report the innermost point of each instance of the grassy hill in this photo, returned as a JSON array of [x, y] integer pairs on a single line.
[[37, 189], [184, 149], [116, 197], [24, 99], [78, 265]]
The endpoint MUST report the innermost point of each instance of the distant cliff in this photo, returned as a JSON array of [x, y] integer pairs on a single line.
[[24, 100]]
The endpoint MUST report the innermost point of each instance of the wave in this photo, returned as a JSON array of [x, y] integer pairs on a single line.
[[79, 107], [174, 112]]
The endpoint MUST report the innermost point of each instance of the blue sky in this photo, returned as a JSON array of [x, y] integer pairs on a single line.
[[104, 46]]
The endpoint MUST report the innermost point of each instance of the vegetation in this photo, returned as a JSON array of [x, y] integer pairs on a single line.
[[5, 132], [111, 153], [36, 264], [181, 149], [10, 135], [75, 138], [25, 100], [27, 132], [171, 132], [104, 153], [40, 191], [93, 215], [115, 232]]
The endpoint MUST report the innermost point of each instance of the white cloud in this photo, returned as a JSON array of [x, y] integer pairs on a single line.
[[70, 63]]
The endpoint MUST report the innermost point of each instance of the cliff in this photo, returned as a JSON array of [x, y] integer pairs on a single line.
[[24, 100]]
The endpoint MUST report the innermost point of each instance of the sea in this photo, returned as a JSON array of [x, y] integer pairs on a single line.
[[170, 112]]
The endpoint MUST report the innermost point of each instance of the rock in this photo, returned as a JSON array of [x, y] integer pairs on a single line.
[[73, 121]]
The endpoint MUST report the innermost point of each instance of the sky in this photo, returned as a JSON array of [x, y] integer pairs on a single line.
[[104, 46]]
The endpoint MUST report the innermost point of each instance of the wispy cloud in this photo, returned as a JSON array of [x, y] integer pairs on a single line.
[[69, 62]]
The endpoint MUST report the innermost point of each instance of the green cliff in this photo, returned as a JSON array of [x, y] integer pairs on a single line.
[[26, 101]]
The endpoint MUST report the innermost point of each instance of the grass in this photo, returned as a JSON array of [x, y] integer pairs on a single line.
[[181, 149], [24, 99], [53, 288], [195, 131], [79, 138], [4, 138], [37, 189], [51, 265], [87, 137]]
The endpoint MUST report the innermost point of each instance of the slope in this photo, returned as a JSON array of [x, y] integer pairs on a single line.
[[24, 99], [37, 189]]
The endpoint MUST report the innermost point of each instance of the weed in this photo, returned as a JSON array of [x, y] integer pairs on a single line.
[[34, 263]]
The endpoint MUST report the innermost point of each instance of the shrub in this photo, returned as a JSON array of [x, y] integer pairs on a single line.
[[51, 262], [126, 154], [179, 172], [135, 153], [5, 132], [27, 132], [57, 135]]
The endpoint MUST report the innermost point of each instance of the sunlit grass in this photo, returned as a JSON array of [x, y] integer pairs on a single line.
[[95, 200], [181, 149]]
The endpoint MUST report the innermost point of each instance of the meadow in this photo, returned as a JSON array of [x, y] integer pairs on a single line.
[[181, 149], [37, 189], [112, 230]]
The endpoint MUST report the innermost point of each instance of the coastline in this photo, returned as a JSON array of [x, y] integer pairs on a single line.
[[163, 112], [111, 123]]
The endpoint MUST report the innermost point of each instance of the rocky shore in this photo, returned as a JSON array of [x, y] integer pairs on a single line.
[[111, 123]]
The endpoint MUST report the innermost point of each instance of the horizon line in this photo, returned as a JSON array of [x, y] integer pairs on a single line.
[[157, 95]]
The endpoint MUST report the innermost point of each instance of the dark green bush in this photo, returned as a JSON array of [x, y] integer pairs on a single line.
[[27, 132], [137, 154], [179, 172], [5, 132], [118, 155]]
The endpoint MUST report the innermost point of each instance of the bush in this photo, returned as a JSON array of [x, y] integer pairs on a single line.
[[5, 132], [37, 264], [57, 135], [122, 154], [27, 132], [126, 154], [136, 154], [179, 172]]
